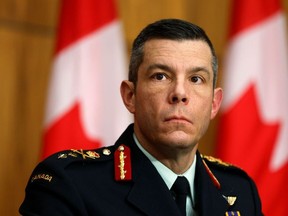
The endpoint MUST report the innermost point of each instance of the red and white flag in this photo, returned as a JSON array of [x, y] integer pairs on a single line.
[[253, 130], [84, 108]]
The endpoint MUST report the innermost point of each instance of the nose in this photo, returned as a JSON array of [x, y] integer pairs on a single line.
[[179, 94]]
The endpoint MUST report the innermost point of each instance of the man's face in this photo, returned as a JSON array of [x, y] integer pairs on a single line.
[[173, 101]]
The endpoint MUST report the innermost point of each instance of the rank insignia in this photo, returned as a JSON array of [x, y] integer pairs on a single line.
[[85, 154], [122, 164], [92, 154], [232, 213]]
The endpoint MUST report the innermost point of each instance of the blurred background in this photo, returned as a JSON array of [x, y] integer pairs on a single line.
[[27, 41]]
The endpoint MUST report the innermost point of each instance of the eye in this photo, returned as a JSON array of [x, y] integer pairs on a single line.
[[196, 79], [159, 76]]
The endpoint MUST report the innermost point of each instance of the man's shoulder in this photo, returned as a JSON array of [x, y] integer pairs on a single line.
[[217, 165], [67, 158], [63, 160], [56, 166], [226, 175], [73, 156]]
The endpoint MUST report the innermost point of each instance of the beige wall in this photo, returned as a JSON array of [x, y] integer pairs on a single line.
[[27, 30]]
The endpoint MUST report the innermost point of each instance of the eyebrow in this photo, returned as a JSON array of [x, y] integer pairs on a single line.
[[196, 69], [160, 66], [167, 68]]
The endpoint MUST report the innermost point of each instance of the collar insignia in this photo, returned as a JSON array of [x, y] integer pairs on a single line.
[[122, 164]]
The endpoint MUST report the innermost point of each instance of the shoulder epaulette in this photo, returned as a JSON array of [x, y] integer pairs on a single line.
[[71, 155], [216, 161], [56, 163], [214, 164]]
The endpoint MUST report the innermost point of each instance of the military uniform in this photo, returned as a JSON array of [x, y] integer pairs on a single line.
[[120, 180]]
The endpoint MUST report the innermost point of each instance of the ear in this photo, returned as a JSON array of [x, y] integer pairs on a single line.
[[128, 95], [216, 103]]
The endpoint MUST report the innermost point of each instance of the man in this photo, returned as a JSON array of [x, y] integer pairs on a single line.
[[172, 93]]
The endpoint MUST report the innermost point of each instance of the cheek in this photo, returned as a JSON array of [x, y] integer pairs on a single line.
[[145, 106], [142, 102], [149, 103], [150, 94], [202, 107], [202, 117]]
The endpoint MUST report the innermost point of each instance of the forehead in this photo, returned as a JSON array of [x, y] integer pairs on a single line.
[[186, 51]]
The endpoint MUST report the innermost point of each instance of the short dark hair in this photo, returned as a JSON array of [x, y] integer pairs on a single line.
[[171, 29]]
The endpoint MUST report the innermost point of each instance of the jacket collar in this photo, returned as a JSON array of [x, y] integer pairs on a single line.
[[209, 199], [150, 194]]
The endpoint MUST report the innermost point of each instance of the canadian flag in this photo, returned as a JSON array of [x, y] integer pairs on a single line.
[[84, 108], [253, 130]]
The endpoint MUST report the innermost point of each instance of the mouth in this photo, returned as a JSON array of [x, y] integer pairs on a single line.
[[178, 119]]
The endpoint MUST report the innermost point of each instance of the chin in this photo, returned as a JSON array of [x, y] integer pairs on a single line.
[[179, 139]]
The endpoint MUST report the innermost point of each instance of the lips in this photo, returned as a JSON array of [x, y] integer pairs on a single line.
[[177, 119]]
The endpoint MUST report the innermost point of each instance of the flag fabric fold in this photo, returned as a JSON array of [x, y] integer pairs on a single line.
[[84, 107], [253, 128]]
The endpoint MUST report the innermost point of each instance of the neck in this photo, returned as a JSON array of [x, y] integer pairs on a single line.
[[176, 159], [179, 162]]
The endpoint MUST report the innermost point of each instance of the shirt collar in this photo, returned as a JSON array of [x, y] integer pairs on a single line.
[[168, 175]]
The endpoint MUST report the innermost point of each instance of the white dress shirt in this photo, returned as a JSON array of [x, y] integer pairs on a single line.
[[170, 177]]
